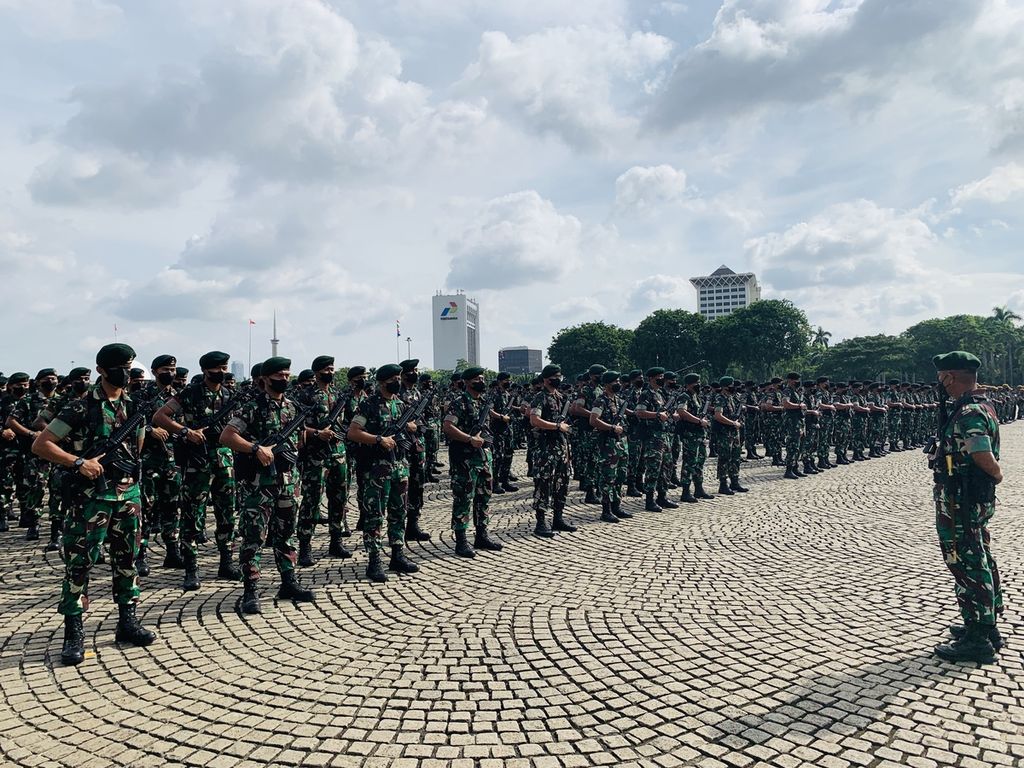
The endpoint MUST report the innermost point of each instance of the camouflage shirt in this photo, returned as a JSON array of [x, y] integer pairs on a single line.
[[548, 406], [652, 400], [375, 415], [259, 419], [972, 428]]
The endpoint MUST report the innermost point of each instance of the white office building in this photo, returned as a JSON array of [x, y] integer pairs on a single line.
[[724, 291], [456, 325]]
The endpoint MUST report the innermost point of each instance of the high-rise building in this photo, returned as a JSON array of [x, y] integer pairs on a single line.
[[237, 370], [520, 360], [456, 325], [724, 291]]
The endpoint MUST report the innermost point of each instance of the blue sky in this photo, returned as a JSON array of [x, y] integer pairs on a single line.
[[178, 167]]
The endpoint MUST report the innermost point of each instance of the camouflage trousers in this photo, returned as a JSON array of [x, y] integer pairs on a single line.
[[55, 500], [826, 435], [550, 474], [431, 445], [968, 555], [504, 447], [858, 432], [471, 489], [794, 438], [589, 459], [842, 432], [12, 477], [657, 462], [385, 488], [876, 430], [89, 523], [695, 453], [576, 452], [36, 472], [772, 428], [199, 486], [161, 489], [267, 517], [809, 447], [728, 441], [329, 471], [635, 447], [894, 427], [752, 432], [417, 477], [612, 464]]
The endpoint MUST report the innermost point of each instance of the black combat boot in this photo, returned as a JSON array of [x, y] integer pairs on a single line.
[[142, 562], [375, 569], [508, 487], [791, 474], [734, 485], [412, 528], [825, 464], [591, 497], [228, 570], [290, 589], [32, 534], [958, 630], [305, 552], [698, 489], [399, 562], [606, 512], [651, 505], [191, 581], [336, 548], [73, 650], [686, 496], [632, 491], [724, 489], [485, 542], [618, 511], [250, 602], [809, 469], [972, 645], [53, 544], [558, 523], [462, 547], [663, 502], [4, 525], [542, 529], [172, 558], [497, 489], [129, 630], [752, 454], [360, 521]]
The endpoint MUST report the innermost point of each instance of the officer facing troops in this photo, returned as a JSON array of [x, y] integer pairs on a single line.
[[965, 462], [106, 499]]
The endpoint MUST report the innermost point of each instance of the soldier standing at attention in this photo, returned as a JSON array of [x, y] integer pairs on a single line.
[[467, 425], [430, 431], [106, 505], [772, 414], [504, 440], [966, 466], [612, 456], [12, 475], [268, 512], [844, 412], [793, 424], [634, 472], [728, 418], [418, 470], [826, 433], [35, 471], [652, 411], [551, 456], [692, 428]]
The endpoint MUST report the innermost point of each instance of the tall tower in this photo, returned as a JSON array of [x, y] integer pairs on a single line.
[[274, 341]]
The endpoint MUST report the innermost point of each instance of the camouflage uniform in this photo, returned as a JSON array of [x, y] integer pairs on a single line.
[[793, 425], [842, 425], [772, 422], [472, 469], [612, 452], [812, 424], [323, 463], [417, 476], [384, 479], [634, 440], [654, 437], [504, 441], [695, 452], [161, 480], [826, 433], [726, 437], [35, 471], [551, 455]]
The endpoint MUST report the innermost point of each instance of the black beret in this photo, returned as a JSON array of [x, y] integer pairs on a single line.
[[255, 372], [424, 377], [609, 376], [893, 381], [956, 361], [537, 380], [726, 381], [46, 372], [596, 369], [275, 365], [691, 378], [550, 370], [355, 372], [197, 378], [749, 384], [504, 375], [214, 359], [776, 380], [793, 376], [79, 372], [670, 375], [874, 385], [306, 374], [321, 362], [472, 373], [655, 371], [715, 385], [162, 361], [823, 380], [387, 371], [180, 372], [408, 365], [229, 376], [18, 378], [807, 384], [114, 355]]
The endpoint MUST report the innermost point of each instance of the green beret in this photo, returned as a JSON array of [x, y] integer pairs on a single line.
[[956, 361], [319, 363], [306, 374], [274, 365], [793, 376], [456, 376], [823, 379], [874, 385], [472, 373], [691, 378], [162, 361], [842, 385], [214, 359], [609, 376], [136, 373], [596, 369], [79, 372], [115, 355], [636, 373], [425, 377], [726, 381], [893, 382], [18, 378], [715, 385], [46, 372], [387, 371], [776, 380], [655, 371], [504, 375], [670, 375], [355, 372], [255, 372], [550, 370], [182, 372], [408, 365]]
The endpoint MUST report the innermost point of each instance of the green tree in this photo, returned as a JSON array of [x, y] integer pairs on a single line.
[[757, 339], [944, 334], [821, 338], [668, 337], [579, 347], [867, 357], [1003, 319]]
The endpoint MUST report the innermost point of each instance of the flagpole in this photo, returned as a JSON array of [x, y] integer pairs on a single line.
[[250, 347]]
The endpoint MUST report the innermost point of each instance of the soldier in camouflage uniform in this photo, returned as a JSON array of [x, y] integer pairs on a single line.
[[12, 461], [843, 420], [207, 467], [323, 463], [356, 376], [268, 474], [607, 419], [966, 466], [655, 415], [431, 427], [692, 427], [894, 420], [23, 420], [467, 425], [826, 423], [726, 424], [548, 413], [877, 424], [536, 387], [634, 472], [771, 417], [504, 440], [106, 504], [384, 469], [410, 396], [751, 420], [812, 428], [793, 424], [587, 458]]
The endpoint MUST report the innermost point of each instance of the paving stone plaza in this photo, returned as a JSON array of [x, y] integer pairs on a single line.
[[789, 626]]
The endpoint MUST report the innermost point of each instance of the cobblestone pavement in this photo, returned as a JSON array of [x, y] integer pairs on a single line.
[[789, 626]]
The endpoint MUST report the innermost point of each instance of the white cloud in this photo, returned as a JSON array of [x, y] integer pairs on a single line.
[[62, 19], [577, 307], [514, 240], [660, 292], [644, 187], [1002, 184]]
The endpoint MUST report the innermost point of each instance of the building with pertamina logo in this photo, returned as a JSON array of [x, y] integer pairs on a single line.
[[456, 326]]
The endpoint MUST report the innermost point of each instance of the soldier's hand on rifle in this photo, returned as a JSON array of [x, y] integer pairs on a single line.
[[705, 423], [662, 416], [8, 434], [476, 441], [196, 436], [618, 430], [563, 427], [265, 455], [159, 433], [91, 468], [387, 443], [325, 434], [411, 426]]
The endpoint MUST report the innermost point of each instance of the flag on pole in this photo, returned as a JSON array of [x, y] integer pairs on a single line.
[[398, 330], [252, 322]]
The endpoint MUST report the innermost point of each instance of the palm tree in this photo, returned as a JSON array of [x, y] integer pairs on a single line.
[[1005, 318], [821, 337]]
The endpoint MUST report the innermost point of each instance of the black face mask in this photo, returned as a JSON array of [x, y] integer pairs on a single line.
[[135, 386], [215, 377], [410, 378], [277, 386], [18, 391], [165, 378], [660, 382], [393, 387], [47, 386], [478, 386], [325, 378], [673, 385], [638, 383], [616, 387], [117, 377], [555, 383], [79, 386]]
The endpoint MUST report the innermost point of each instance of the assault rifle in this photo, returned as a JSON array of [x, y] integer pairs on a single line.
[[280, 447], [336, 413], [196, 455], [399, 432], [111, 451], [481, 422]]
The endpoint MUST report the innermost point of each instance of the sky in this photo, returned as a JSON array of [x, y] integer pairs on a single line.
[[176, 168]]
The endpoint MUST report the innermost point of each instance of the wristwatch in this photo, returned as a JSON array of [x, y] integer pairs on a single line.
[[378, 439], [184, 431], [78, 463], [255, 447]]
